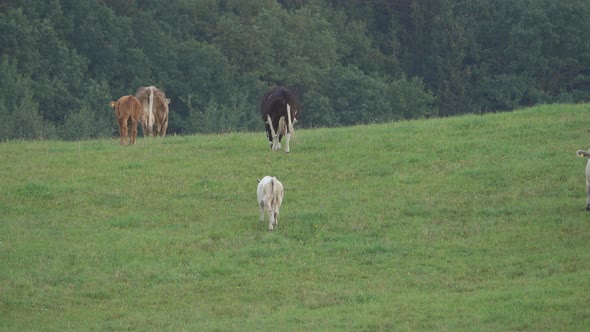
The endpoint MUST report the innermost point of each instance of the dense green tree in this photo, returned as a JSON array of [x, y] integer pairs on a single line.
[[357, 61], [18, 111]]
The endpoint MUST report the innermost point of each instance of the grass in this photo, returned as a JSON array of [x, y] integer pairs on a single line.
[[467, 223]]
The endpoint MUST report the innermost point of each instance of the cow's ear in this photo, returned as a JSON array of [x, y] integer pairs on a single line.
[[167, 100], [257, 180], [112, 104]]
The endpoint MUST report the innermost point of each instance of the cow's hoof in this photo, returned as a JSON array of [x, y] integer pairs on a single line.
[[587, 207]]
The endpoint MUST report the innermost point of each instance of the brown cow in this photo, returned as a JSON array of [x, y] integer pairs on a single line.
[[154, 110], [127, 110]]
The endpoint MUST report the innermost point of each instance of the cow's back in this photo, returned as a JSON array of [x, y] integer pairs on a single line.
[[135, 108], [142, 94], [127, 106], [264, 188], [274, 100], [270, 189]]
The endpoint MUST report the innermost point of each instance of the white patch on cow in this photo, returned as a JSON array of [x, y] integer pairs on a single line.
[[275, 137], [287, 139], [151, 118], [291, 129], [282, 126], [283, 130], [270, 197]]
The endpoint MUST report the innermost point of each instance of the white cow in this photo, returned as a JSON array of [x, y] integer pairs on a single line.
[[585, 154], [270, 198]]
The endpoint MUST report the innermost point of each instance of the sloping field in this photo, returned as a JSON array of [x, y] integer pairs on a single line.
[[470, 223]]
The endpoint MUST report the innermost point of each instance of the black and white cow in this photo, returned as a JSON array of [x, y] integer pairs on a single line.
[[279, 108]]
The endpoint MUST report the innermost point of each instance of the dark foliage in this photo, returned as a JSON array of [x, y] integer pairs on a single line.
[[351, 62]]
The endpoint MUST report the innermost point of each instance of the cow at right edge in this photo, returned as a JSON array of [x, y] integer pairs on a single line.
[[585, 154]]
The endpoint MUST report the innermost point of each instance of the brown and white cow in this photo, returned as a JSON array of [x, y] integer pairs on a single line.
[[127, 111], [279, 108], [154, 110], [270, 197]]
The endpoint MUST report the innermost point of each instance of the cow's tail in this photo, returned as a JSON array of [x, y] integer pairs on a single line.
[[290, 121], [151, 119], [583, 154]]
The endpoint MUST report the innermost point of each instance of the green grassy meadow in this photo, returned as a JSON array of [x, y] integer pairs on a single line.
[[473, 223]]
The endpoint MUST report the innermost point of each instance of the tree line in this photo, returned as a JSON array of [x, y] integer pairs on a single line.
[[351, 62]]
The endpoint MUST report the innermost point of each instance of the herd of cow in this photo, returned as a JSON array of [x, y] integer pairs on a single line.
[[279, 108], [150, 106]]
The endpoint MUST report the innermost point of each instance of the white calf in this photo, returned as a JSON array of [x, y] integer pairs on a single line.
[[270, 198], [585, 154]]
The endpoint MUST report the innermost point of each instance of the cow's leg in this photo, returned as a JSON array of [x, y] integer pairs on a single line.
[[287, 139], [133, 131], [158, 128], [144, 128], [143, 120], [588, 194], [268, 134], [275, 142], [261, 206], [279, 137], [123, 131], [271, 220], [164, 128], [276, 215], [281, 130], [290, 129]]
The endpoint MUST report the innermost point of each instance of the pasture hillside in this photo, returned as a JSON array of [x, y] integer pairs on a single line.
[[466, 223]]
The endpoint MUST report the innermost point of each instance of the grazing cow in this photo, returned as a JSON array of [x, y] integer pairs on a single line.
[[584, 154], [279, 108], [270, 198], [127, 111], [154, 110]]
